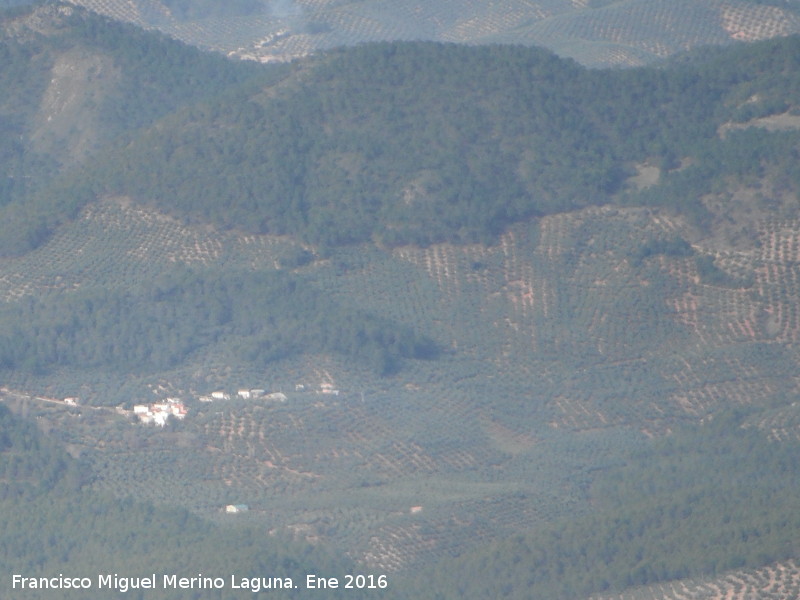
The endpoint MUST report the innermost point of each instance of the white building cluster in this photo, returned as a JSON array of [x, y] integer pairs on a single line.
[[244, 394], [159, 412]]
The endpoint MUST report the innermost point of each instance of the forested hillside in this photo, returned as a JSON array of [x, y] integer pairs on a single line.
[[422, 143], [385, 144], [157, 326], [72, 82], [706, 500]]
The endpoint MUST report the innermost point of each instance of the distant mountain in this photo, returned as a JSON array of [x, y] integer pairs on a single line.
[[593, 32]]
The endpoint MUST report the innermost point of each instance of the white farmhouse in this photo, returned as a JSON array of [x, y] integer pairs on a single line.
[[159, 412]]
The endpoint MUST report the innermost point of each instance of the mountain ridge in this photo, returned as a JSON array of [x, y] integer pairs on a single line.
[[596, 33]]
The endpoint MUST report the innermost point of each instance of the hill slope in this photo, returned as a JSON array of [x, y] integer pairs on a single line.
[[593, 32], [55, 527], [421, 143], [73, 83]]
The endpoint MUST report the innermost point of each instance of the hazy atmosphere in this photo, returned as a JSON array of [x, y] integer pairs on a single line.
[[454, 299]]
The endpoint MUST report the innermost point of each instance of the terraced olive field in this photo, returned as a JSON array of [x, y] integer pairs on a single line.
[[117, 244], [559, 346], [596, 33], [581, 380], [776, 582]]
